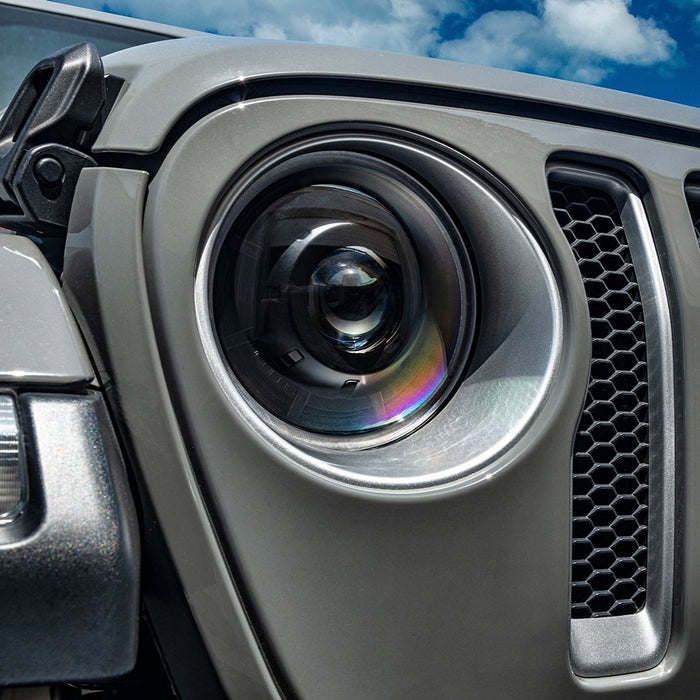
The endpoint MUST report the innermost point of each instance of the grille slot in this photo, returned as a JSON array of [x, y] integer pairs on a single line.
[[611, 449], [693, 195]]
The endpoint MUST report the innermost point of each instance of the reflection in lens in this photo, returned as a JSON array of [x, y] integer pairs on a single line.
[[423, 369], [351, 298]]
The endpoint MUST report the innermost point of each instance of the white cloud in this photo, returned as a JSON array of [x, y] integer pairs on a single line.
[[501, 38], [399, 25], [577, 39], [607, 29]]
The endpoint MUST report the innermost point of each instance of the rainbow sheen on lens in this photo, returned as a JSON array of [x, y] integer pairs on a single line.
[[422, 374]]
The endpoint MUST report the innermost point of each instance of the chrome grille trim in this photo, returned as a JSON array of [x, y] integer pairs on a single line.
[[613, 645]]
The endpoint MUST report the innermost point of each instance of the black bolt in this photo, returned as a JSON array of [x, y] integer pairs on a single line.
[[49, 171]]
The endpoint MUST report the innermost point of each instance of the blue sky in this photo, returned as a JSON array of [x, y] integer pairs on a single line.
[[651, 47]]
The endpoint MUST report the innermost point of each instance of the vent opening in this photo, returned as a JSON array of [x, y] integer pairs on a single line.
[[611, 449]]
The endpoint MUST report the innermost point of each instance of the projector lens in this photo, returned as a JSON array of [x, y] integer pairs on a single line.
[[352, 300]]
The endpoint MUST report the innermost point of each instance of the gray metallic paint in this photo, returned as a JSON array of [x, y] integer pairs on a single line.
[[410, 578], [39, 343], [167, 78]]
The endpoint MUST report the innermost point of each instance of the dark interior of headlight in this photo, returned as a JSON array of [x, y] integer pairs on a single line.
[[343, 295]]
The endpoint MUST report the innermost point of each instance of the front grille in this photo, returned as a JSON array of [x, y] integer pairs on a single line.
[[611, 449], [693, 195]]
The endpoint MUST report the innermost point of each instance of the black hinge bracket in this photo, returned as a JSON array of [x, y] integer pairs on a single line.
[[45, 138]]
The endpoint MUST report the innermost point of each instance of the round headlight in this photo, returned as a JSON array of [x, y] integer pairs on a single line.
[[343, 296]]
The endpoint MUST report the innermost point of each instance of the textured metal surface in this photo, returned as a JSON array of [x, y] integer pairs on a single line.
[[611, 451], [70, 562], [12, 463]]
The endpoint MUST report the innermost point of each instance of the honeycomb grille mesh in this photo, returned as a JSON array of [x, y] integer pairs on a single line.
[[611, 449]]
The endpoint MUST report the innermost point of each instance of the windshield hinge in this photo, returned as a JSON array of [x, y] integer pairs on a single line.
[[45, 138]]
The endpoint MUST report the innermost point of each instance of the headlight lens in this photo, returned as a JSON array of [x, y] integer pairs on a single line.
[[344, 300], [352, 299]]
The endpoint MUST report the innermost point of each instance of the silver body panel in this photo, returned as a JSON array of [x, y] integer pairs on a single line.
[[40, 343], [165, 79]]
